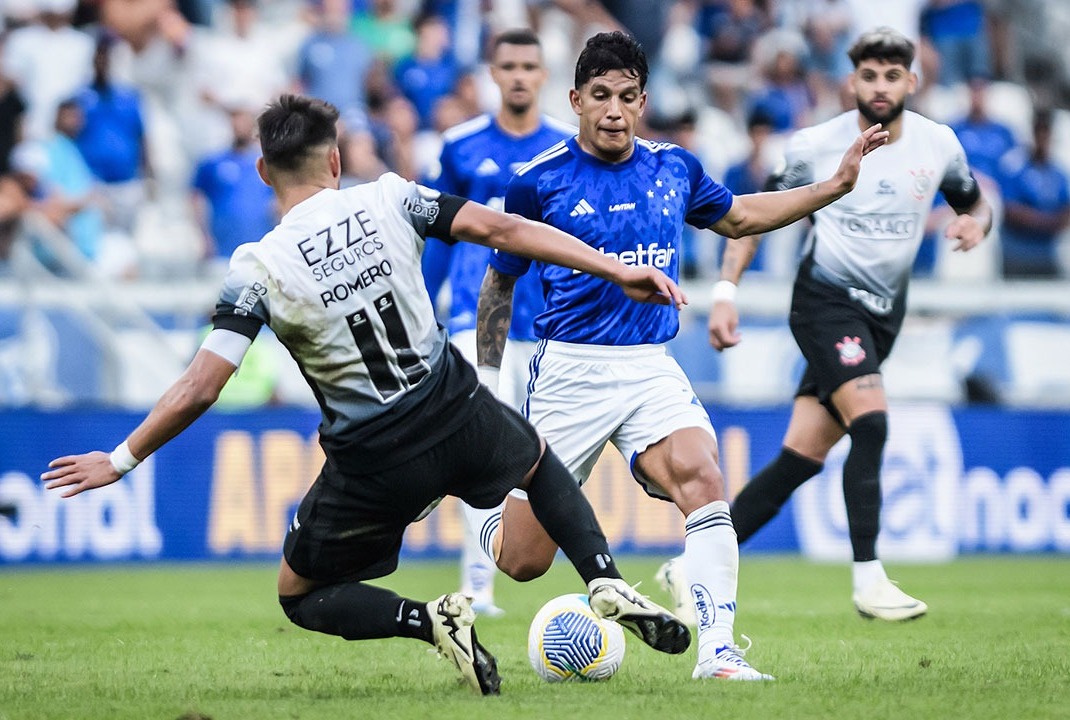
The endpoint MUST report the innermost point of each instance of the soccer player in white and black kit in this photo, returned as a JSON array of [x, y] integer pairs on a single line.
[[601, 371], [405, 420], [849, 299]]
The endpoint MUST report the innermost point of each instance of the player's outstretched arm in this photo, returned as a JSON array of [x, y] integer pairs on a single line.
[[764, 211], [185, 401], [519, 236]]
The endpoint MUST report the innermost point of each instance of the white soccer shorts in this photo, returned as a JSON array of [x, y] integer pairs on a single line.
[[581, 396]]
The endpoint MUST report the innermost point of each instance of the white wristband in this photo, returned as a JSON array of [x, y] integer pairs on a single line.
[[724, 291], [122, 459], [488, 375]]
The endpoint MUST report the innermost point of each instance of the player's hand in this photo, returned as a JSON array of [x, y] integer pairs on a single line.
[[650, 285], [851, 164], [966, 231], [724, 325], [79, 473]]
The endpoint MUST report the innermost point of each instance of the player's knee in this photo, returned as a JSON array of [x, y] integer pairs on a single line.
[[869, 431], [523, 567], [291, 605]]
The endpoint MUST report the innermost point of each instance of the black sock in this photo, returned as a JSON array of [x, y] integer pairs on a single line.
[[563, 510], [862, 483], [762, 497], [357, 611]]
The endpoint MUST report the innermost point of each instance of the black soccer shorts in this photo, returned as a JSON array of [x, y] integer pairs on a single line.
[[840, 339], [349, 525]]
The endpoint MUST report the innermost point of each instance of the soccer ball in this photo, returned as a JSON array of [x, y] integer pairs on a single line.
[[568, 641]]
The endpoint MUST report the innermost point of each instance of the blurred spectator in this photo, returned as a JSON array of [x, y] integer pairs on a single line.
[[386, 30], [13, 202], [749, 175], [430, 72], [12, 111], [232, 204], [50, 61], [61, 182], [956, 29], [399, 119], [332, 63], [360, 162], [827, 27], [645, 20], [730, 29], [240, 61], [466, 26], [985, 140], [1036, 206], [112, 140], [783, 94]]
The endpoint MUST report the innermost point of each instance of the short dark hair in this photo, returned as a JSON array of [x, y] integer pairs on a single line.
[[516, 36], [611, 51], [292, 126], [884, 44]]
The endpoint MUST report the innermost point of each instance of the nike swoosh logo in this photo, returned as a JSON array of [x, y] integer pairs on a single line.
[[401, 608]]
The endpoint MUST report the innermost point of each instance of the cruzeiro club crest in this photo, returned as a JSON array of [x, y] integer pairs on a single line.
[[851, 352]]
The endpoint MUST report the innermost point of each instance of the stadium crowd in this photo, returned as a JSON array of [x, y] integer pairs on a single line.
[[127, 125]]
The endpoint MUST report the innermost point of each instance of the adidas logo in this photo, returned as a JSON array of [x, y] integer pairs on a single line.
[[582, 208], [488, 167]]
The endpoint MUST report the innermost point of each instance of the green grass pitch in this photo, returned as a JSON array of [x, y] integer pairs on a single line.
[[210, 641]]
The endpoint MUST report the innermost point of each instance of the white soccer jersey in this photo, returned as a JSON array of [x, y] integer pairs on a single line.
[[868, 239], [339, 283]]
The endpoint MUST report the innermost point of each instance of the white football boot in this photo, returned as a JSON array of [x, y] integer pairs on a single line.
[[883, 600], [728, 664], [452, 627]]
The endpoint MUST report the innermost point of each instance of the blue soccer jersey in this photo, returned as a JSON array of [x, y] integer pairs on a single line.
[[635, 211], [478, 159]]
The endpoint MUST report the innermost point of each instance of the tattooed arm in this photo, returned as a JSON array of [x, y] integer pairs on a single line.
[[494, 314]]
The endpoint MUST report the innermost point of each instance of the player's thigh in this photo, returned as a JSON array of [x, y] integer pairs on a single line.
[[839, 344], [668, 439], [812, 430], [860, 396], [683, 468], [576, 406], [341, 533], [491, 455]]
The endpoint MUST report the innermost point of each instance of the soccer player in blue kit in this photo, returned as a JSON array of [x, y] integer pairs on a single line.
[[601, 371], [478, 158]]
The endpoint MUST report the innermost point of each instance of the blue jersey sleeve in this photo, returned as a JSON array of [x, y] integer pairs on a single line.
[[522, 198], [710, 200]]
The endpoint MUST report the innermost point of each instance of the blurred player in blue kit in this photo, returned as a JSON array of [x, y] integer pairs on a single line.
[[478, 158], [405, 419], [601, 371]]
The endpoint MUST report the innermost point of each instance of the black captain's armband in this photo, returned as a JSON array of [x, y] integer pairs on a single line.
[[448, 207], [961, 190], [246, 325]]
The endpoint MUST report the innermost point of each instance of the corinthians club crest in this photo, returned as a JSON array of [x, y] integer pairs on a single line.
[[851, 352]]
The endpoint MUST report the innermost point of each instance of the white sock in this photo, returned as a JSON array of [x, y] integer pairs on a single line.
[[477, 554], [711, 566], [864, 574]]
